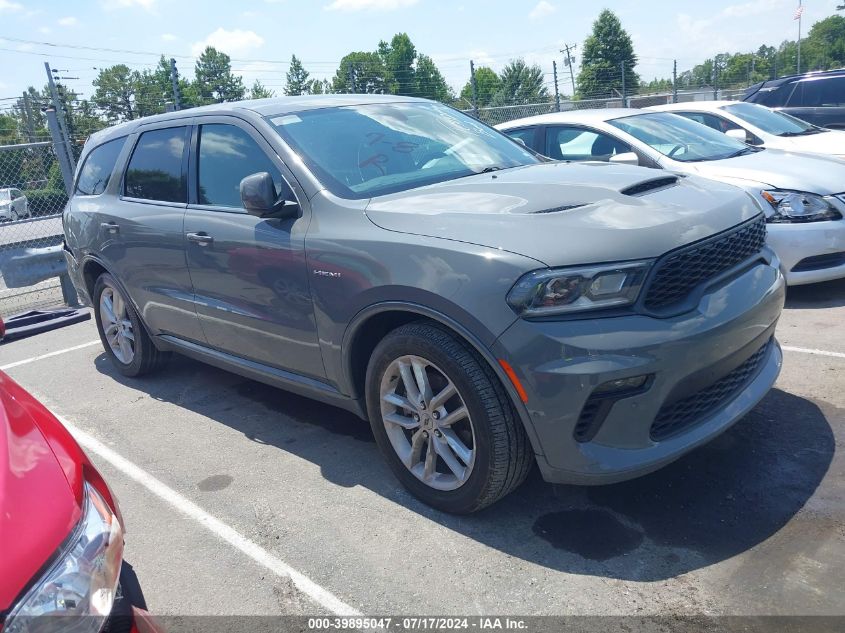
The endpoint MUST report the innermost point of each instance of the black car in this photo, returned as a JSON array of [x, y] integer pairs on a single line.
[[817, 97]]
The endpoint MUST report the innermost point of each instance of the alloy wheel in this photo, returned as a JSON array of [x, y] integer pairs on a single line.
[[117, 327], [427, 422]]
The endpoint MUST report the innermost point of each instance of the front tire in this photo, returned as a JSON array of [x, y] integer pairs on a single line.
[[443, 421], [124, 338]]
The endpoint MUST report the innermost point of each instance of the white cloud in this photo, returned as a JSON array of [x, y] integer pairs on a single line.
[[542, 9], [109, 5], [45, 30], [7, 5], [68, 21], [235, 42], [168, 37], [369, 5]]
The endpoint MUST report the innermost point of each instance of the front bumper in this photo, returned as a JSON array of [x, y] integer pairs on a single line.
[[560, 363], [794, 243]]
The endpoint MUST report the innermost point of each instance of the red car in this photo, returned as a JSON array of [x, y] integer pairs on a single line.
[[61, 531]]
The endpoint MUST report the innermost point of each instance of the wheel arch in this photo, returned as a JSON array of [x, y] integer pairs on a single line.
[[371, 324]]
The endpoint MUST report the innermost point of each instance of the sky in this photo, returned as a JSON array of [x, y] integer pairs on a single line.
[[261, 35]]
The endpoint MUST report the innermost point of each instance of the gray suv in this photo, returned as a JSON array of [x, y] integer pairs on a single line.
[[483, 308]]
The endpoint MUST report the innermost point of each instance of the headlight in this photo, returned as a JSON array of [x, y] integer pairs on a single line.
[[549, 292], [82, 583], [797, 206]]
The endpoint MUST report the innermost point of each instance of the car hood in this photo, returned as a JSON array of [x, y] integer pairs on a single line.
[[778, 168], [567, 213], [38, 507], [830, 143]]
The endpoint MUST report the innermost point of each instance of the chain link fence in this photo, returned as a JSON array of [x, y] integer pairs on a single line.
[[32, 198]]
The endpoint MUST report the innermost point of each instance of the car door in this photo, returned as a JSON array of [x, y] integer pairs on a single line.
[[141, 236], [249, 274]]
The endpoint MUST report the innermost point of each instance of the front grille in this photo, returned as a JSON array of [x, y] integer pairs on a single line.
[[676, 274], [680, 415]]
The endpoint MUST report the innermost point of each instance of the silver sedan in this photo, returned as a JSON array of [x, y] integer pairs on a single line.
[[802, 195]]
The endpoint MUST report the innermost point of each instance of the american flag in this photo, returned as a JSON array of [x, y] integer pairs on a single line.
[[798, 12]]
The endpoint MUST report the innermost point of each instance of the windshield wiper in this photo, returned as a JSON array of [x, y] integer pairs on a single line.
[[487, 170], [814, 130], [743, 151]]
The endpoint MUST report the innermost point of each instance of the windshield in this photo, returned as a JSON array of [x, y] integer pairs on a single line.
[[4, 194], [770, 121], [679, 138], [364, 151]]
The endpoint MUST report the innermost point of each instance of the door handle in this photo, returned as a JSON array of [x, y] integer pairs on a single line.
[[201, 238], [110, 227]]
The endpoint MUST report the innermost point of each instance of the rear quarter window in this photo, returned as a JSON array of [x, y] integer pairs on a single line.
[[155, 170], [98, 167]]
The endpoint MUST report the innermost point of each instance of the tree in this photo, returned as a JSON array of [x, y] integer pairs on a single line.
[[520, 83], [258, 91], [487, 84], [360, 72], [430, 82], [114, 93], [398, 59], [606, 50], [298, 82], [214, 81]]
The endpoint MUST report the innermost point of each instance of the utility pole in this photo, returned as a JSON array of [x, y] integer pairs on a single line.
[[60, 121], [351, 79], [174, 80], [799, 14], [474, 85], [557, 92], [715, 79], [27, 115], [569, 62], [675, 82]]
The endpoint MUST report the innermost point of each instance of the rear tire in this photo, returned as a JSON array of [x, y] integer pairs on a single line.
[[480, 449], [124, 338]]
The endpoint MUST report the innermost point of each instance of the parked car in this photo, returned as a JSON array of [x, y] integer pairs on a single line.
[[802, 195], [13, 205], [428, 273], [815, 97], [62, 546], [761, 126]]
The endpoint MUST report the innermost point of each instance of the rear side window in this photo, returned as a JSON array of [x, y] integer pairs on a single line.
[[564, 143], [227, 155], [815, 93], [710, 120], [155, 169], [98, 166], [526, 135]]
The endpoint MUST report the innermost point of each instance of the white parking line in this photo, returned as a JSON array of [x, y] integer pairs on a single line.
[[817, 352], [318, 594], [26, 361]]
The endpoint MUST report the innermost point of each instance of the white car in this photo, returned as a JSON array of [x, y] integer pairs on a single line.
[[802, 195], [761, 126], [13, 205]]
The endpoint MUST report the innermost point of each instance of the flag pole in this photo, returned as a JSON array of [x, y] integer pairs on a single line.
[[800, 15]]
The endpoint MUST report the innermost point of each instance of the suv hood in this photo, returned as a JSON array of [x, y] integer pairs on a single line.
[[38, 508], [568, 214], [829, 143], [781, 169]]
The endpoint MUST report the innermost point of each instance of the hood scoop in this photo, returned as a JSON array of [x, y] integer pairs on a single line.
[[648, 186], [565, 207]]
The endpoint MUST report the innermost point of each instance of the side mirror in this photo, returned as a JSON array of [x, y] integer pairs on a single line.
[[519, 140], [737, 134], [625, 158], [258, 195]]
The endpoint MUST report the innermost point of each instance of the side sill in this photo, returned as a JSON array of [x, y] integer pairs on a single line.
[[294, 383]]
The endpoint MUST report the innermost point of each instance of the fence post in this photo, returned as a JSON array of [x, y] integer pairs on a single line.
[[174, 80], [557, 92], [624, 100], [61, 152], [474, 85], [675, 82]]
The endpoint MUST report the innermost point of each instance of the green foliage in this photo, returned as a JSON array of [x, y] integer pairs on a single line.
[[429, 81], [360, 72], [46, 201], [258, 91], [213, 78], [298, 82], [398, 60], [487, 84], [520, 83], [605, 51], [114, 93]]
